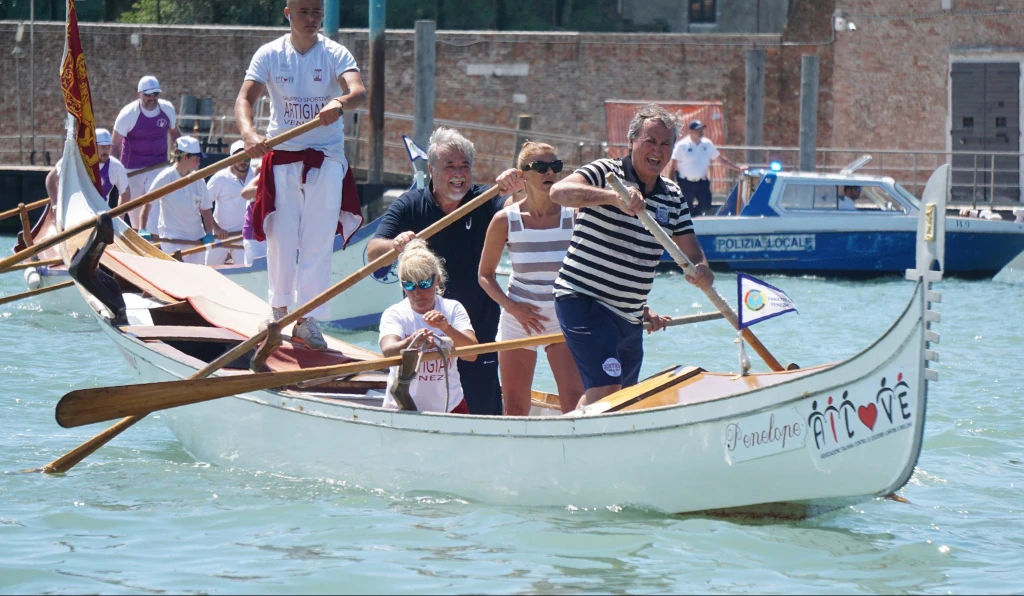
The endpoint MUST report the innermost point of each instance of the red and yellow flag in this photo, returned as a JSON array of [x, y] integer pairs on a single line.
[[74, 82]]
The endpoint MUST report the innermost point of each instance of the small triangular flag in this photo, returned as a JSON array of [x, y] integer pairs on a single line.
[[759, 301], [415, 152]]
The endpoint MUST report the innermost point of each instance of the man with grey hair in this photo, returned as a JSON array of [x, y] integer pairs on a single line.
[[601, 290], [450, 165]]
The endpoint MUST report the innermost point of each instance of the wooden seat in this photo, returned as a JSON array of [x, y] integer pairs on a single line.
[[183, 333]]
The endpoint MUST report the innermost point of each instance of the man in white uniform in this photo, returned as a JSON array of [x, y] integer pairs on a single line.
[[691, 157], [187, 213], [112, 173], [225, 189], [141, 133], [298, 203]]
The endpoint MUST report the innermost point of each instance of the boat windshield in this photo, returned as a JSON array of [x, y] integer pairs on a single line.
[[839, 198], [908, 196]]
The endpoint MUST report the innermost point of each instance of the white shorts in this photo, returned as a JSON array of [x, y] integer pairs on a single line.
[[510, 328]]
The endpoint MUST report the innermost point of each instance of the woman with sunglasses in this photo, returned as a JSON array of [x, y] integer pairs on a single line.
[[424, 316], [536, 232]]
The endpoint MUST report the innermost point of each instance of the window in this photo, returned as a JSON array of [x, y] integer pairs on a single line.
[[702, 11], [803, 197]]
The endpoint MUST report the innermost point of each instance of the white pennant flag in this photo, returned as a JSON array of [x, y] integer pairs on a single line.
[[759, 301], [415, 152]]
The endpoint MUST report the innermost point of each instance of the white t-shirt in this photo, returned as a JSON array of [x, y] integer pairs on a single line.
[[693, 159], [428, 388], [179, 211], [225, 190], [847, 204], [130, 115], [300, 85], [116, 173]]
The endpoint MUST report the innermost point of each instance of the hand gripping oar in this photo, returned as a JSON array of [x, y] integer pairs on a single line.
[[687, 266], [152, 196], [71, 459], [88, 406]]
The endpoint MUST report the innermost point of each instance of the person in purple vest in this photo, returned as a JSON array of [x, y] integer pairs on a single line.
[[112, 173], [141, 134]]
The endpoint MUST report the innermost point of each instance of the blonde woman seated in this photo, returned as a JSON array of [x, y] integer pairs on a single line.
[[537, 234], [424, 316]]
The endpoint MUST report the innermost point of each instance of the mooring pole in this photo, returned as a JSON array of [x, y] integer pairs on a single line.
[[808, 113], [332, 17], [377, 47], [755, 106], [423, 119]]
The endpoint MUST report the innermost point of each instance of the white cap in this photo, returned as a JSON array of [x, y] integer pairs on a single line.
[[103, 137], [149, 84], [189, 145], [237, 146]]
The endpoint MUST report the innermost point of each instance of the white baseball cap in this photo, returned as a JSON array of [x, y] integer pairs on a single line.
[[149, 84], [103, 137], [237, 146], [189, 145]]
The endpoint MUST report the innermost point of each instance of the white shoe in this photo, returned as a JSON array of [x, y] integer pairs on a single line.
[[307, 332], [276, 314]]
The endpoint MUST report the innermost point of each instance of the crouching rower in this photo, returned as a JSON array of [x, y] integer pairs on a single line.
[[299, 198], [425, 317]]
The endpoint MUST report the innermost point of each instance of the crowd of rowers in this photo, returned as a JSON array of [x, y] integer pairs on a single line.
[[582, 263]]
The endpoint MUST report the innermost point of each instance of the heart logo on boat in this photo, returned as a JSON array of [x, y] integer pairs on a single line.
[[868, 414]]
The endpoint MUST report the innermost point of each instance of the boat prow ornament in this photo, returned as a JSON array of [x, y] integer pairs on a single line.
[[931, 252], [85, 269]]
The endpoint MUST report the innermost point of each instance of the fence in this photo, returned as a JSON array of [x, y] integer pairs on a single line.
[[992, 178]]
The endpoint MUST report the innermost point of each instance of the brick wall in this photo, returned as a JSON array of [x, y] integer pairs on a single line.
[[882, 86]]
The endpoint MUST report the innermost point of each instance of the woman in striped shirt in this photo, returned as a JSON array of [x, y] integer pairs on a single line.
[[537, 233]]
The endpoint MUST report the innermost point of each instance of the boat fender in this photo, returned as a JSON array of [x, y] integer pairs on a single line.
[[32, 279]]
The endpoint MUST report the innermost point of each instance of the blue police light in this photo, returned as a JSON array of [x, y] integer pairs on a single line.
[[776, 166]]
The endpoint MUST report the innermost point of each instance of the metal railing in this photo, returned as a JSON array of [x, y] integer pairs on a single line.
[[987, 178]]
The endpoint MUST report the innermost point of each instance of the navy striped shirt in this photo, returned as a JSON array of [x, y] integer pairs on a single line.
[[612, 257]]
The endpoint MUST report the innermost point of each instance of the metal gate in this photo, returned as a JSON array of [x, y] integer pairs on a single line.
[[986, 120]]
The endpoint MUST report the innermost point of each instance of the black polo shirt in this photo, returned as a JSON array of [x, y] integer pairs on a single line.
[[459, 244]]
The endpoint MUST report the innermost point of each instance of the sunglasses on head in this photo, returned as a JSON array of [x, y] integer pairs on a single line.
[[424, 284], [541, 167]]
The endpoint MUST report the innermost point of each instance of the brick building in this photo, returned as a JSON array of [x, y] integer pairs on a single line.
[[891, 84]]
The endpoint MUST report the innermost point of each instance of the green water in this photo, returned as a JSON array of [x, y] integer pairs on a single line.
[[141, 516]]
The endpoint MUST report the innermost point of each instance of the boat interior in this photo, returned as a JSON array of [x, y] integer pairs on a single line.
[[194, 314]]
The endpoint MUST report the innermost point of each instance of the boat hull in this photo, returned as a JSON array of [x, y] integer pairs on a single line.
[[845, 431], [976, 249]]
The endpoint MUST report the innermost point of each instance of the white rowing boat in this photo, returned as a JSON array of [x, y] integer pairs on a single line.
[[683, 440]]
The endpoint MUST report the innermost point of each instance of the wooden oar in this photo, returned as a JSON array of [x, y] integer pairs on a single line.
[[203, 247], [17, 210], [88, 406], [32, 264], [687, 266], [71, 459], [152, 196], [36, 292]]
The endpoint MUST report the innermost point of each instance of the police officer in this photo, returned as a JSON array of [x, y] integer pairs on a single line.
[[691, 157]]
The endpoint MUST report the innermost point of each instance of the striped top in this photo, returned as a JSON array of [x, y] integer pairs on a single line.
[[536, 256], [612, 257]]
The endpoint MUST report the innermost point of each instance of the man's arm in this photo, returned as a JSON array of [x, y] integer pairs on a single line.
[[173, 133], [574, 191], [115, 148], [247, 96], [673, 168], [690, 246], [729, 163], [51, 185]]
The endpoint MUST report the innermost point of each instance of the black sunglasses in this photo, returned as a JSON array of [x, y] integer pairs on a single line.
[[541, 167], [154, 94]]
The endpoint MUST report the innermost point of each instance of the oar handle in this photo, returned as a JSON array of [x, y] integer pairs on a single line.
[[203, 247], [154, 195], [687, 265], [17, 210]]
